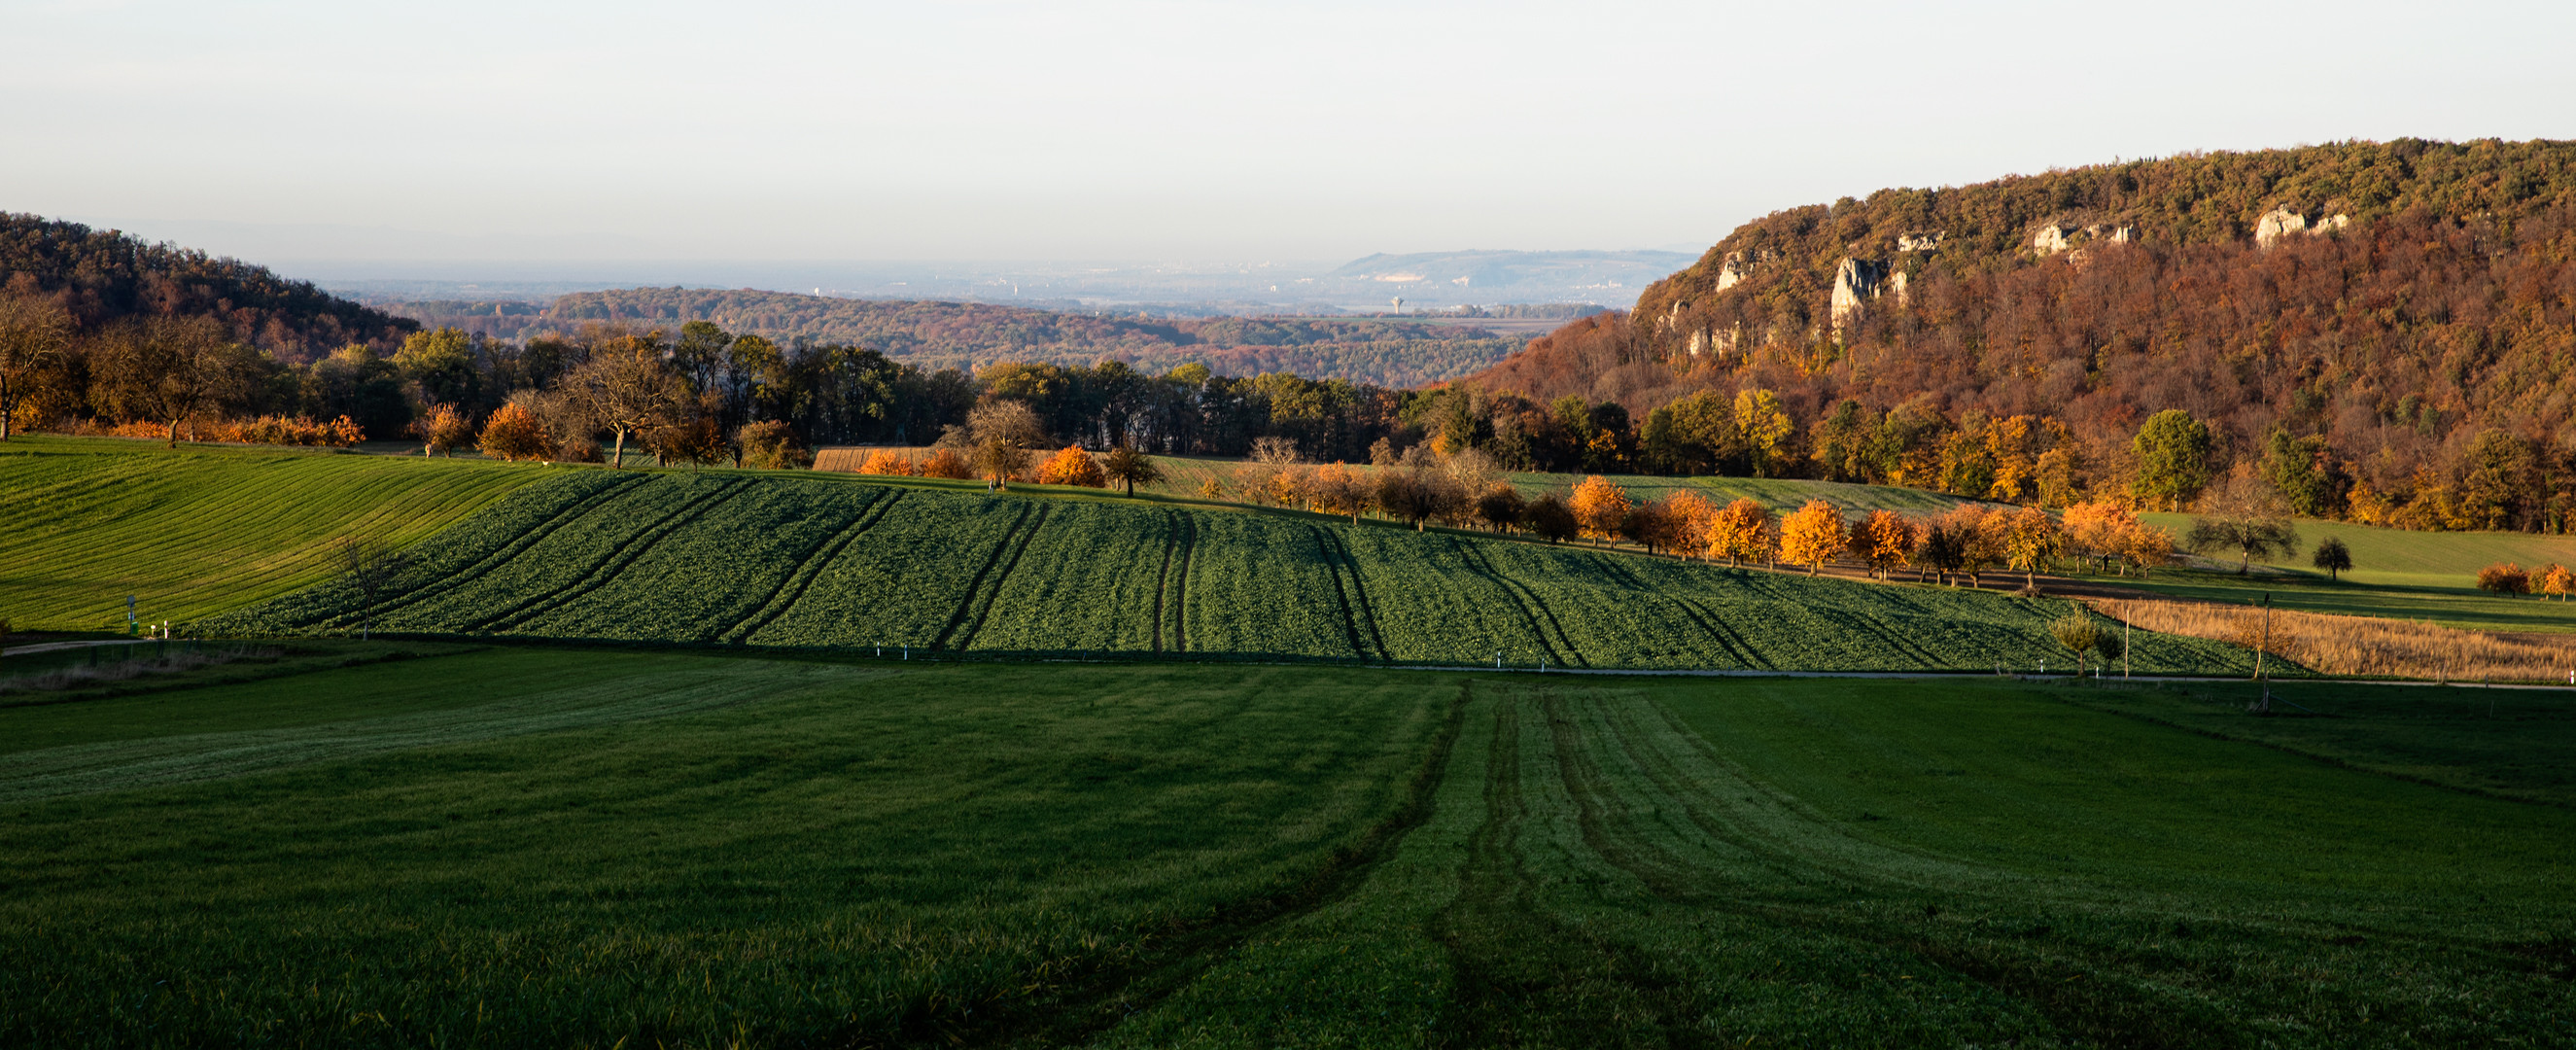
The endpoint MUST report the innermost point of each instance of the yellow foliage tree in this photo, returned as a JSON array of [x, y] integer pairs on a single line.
[[1740, 531], [1073, 466], [1813, 535], [2553, 580], [2030, 538], [1599, 507]]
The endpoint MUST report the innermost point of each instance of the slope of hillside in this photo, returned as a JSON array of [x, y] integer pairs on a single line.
[[204, 529], [970, 335], [104, 275], [776, 560], [2393, 300]]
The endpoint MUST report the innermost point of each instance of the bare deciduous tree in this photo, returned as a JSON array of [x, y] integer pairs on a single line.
[[626, 389], [35, 335], [371, 567]]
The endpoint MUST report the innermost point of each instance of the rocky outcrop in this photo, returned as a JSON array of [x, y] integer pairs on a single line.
[[2276, 224], [2051, 239], [2282, 222], [1918, 242], [1856, 282]]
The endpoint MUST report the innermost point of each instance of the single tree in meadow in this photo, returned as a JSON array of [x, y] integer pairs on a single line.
[[1813, 535], [370, 567], [2079, 634], [1550, 519], [1131, 468], [1406, 495], [1742, 531], [2335, 558], [1686, 519], [2244, 516], [35, 338]]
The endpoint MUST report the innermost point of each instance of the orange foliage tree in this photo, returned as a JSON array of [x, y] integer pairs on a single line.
[[1742, 530], [1599, 506], [2554, 580], [1685, 522], [946, 463], [515, 433], [1884, 539], [1073, 466], [1812, 535], [888, 462], [1336, 489]]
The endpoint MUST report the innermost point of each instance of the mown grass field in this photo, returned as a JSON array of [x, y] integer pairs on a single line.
[[846, 562], [2396, 574], [204, 528], [522, 846]]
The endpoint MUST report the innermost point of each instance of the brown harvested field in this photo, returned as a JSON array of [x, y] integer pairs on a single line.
[[2360, 646]]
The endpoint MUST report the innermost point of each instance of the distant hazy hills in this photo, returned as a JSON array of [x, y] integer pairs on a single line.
[[1504, 276], [1388, 352]]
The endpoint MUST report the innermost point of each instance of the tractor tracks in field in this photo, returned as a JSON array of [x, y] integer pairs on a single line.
[[977, 604], [573, 510], [791, 589], [1743, 654], [609, 563], [1542, 621], [1181, 541], [1359, 620], [1087, 1005]]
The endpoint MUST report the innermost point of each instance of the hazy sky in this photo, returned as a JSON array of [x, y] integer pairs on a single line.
[[1127, 130]]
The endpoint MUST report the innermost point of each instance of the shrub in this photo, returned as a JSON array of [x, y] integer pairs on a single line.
[[515, 433], [772, 445], [443, 430], [2504, 577], [1073, 466], [946, 463], [888, 462], [1550, 519]]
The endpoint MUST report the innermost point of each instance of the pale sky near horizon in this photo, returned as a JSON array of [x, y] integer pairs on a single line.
[[1137, 130]]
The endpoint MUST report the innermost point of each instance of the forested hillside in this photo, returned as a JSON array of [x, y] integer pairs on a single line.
[[103, 276], [968, 336], [2383, 331]]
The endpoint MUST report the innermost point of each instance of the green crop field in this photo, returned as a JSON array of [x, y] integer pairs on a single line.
[[818, 561], [203, 528], [524, 846]]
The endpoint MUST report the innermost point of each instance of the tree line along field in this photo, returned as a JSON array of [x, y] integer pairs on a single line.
[[203, 529], [946, 568], [523, 846]]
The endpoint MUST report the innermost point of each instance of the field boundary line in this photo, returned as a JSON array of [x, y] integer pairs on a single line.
[[618, 557], [1528, 602], [809, 568], [975, 586]]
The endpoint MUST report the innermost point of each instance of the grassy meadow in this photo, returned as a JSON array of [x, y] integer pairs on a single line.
[[512, 846], [203, 528], [2396, 574]]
